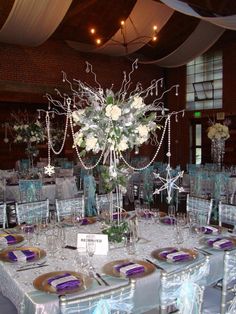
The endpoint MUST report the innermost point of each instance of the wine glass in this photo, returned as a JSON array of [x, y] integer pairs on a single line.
[[90, 249]]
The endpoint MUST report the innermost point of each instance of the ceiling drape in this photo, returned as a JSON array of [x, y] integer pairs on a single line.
[[32, 22]]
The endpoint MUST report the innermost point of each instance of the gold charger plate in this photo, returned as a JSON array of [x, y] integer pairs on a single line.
[[19, 238], [205, 241], [109, 269], [41, 282], [39, 254], [157, 254], [68, 221]]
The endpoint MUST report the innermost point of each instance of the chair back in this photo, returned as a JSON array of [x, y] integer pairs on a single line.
[[228, 296], [27, 212], [182, 290], [2, 189], [199, 206], [65, 208], [3, 215], [30, 190], [66, 188], [103, 201], [227, 214], [115, 300]]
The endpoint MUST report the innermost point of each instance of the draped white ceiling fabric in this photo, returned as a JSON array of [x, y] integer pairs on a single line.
[[31, 22], [200, 40], [137, 31], [228, 22]]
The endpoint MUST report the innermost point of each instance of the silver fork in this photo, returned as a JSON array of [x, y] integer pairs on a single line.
[[32, 264]]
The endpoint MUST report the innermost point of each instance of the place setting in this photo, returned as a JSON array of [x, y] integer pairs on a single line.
[[174, 255], [219, 242], [63, 282], [8, 239]]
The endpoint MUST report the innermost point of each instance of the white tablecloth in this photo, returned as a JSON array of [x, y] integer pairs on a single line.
[[17, 286]]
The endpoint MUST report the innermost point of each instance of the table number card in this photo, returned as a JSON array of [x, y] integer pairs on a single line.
[[101, 243]]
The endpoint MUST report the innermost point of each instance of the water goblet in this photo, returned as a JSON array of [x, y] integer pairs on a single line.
[[90, 249], [171, 211], [28, 230]]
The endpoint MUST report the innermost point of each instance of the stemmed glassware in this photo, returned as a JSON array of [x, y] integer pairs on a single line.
[[90, 249]]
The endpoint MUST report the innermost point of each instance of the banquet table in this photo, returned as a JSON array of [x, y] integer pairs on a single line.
[[18, 287]]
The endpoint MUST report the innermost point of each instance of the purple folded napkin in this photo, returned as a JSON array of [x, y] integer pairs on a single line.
[[209, 230], [178, 256], [212, 240], [9, 239], [21, 255], [223, 244], [168, 220], [129, 268], [64, 281], [166, 252], [84, 221]]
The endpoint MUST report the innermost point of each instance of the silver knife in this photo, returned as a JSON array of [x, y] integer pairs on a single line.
[[32, 267], [103, 280], [157, 266]]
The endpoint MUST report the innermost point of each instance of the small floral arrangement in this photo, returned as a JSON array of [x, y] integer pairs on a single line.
[[31, 132], [218, 131], [113, 123]]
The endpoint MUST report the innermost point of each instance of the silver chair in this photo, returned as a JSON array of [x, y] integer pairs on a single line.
[[199, 206], [182, 290], [117, 300], [66, 207], [27, 212], [66, 188], [3, 215], [30, 190], [222, 299], [227, 214], [103, 201]]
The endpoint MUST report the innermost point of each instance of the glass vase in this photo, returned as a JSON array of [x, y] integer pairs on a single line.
[[218, 151]]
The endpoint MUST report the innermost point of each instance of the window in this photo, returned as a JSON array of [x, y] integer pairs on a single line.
[[198, 142], [204, 82]]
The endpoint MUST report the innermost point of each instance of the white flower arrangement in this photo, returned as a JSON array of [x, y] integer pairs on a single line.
[[114, 124], [218, 131], [33, 132]]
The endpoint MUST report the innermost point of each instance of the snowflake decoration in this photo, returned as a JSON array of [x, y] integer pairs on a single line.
[[168, 183], [49, 170]]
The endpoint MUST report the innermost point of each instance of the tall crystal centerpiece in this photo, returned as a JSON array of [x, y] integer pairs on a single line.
[[218, 133]]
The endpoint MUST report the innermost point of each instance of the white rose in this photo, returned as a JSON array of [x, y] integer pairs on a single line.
[[137, 102], [108, 111], [78, 139], [38, 123], [18, 138], [123, 144], [113, 112], [91, 143], [141, 140], [77, 114], [26, 126], [33, 139], [143, 130]]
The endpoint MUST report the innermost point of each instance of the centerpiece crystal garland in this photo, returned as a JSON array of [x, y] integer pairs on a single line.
[[111, 123]]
